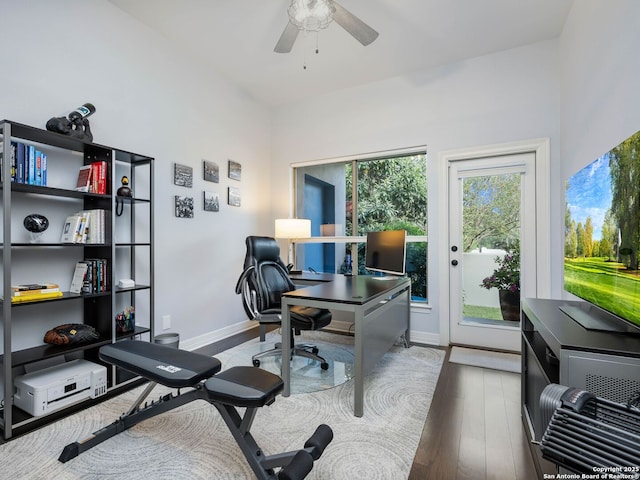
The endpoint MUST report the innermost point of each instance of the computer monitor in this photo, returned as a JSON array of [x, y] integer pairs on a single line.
[[385, 251]]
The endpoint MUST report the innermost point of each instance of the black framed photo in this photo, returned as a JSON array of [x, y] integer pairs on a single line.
[[234, 197], [211, 202], [211, 171], [235, 170], [182, 175], [184, 206]]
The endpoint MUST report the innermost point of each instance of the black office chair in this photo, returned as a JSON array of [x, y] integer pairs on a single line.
[[262, 283]]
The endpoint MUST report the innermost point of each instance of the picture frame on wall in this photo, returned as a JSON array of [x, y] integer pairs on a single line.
[[235, 170], [211, 202], [234, 197], [211, 171], [183, 206], [182, 175]]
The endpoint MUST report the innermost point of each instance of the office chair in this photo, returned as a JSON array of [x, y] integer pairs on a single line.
[[261, 284]]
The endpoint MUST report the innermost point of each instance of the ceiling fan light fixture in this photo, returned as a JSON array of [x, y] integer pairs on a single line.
[[311, 15]]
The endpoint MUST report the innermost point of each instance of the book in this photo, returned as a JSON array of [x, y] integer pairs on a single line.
[[79, 274], [81, 230], [84, 179], [36, 296], [20, 160], [14, 165], [33, 286], [31, 162], [22, 293], [71, 225], [38, 173], [44, 169], [99, 177]]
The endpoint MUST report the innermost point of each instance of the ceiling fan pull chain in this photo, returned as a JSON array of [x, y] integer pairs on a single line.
[[304, 54], [317, 49]]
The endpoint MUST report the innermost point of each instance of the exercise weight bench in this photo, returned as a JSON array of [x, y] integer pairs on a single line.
[[238, 387]]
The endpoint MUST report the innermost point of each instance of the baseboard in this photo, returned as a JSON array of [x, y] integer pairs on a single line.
[[217, 335], [417, 338], [425, 338]]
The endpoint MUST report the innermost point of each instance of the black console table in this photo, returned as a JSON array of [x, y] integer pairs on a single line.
[[556, 349]]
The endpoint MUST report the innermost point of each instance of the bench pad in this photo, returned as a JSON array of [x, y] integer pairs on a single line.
[[161, 364], [244, 387]]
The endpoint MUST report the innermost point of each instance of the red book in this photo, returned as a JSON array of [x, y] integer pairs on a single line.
[[99, 177]]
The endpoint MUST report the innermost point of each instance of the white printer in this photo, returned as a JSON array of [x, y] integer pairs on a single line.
[[52, 388]]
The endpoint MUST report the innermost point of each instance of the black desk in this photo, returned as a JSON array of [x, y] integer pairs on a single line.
[[381, 316]]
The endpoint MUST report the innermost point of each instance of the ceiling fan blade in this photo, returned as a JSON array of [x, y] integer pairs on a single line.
[[287, 39], [354, 26]]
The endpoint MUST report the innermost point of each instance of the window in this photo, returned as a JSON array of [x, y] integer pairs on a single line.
[[345, 199]]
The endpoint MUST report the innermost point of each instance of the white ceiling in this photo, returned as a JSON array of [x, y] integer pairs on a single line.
[[237, 37]]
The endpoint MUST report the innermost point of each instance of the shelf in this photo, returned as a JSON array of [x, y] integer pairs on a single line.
[[539, 347], [45, 137], [98, 310], [132, 289], [138, 331], [49, 245], [41, 352], [65, 296], [52, 191]]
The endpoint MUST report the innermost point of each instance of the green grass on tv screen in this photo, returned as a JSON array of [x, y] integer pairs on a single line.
[[606, 284]]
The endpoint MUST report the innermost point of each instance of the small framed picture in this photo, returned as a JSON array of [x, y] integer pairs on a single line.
[[211, 172], [235, 170], [184, 206], [234, 197], [182, 175], [211, 202]]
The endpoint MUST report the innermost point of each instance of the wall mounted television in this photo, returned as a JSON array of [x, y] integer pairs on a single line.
[[602, 241], [386, 251]]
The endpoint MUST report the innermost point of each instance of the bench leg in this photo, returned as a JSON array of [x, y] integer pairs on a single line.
[[134, 416], [299, 462]]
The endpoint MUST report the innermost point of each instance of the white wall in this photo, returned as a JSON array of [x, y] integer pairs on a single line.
[[154, 100], [600, 73], [507, 96], [580, 91]]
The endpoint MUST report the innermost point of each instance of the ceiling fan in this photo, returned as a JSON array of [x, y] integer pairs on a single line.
[[315, 15]]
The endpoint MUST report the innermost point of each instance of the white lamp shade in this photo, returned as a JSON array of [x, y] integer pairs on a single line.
[[293, 228]]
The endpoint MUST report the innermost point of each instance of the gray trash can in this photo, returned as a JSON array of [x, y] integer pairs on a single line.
[[168, 339]]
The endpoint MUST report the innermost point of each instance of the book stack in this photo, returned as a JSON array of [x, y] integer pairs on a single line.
[[28, 164], [87, 226], [32, 292], [90, 276], [92, 178]]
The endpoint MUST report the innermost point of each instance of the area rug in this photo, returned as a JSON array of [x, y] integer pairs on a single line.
[[192, 442], [508, 362]]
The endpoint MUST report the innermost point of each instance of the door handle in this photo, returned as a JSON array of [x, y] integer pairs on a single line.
[[454, 262]]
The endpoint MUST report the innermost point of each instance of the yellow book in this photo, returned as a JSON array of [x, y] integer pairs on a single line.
[[35, 297]]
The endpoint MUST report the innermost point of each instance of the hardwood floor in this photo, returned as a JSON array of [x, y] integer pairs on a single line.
[[474, 429]]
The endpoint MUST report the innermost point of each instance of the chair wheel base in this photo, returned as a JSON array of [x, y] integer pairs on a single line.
[[256, 363], [324, 366]]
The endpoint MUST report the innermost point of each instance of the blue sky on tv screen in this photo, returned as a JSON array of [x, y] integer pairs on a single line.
[[589, 194]]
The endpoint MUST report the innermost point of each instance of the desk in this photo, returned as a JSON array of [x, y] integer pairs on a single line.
[[381, 316]]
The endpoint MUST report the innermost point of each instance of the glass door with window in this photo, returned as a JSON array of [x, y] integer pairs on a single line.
[[492, 219]]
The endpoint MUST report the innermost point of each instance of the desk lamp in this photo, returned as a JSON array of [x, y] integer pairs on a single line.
[[292, 228]]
